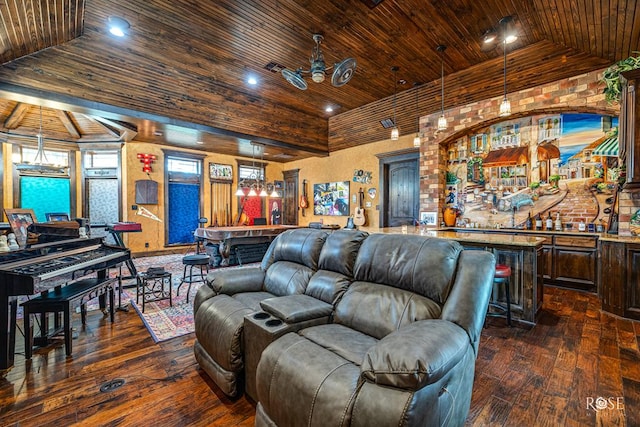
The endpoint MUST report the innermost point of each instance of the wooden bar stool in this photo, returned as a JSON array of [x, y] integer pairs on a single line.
[[501, 278], [190, 261]]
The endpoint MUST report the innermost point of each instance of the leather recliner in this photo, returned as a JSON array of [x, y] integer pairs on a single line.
[[294, 269], [401, 346]]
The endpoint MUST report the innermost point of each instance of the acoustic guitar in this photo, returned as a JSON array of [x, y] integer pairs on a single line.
[[304, 202], [359, 217], [242, 218]]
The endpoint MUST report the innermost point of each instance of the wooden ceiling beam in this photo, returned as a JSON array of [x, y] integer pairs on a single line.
[[125, 133], [16, 116], [65, 118]]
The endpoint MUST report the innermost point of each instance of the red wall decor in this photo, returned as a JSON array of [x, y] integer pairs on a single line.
[[146, 160]]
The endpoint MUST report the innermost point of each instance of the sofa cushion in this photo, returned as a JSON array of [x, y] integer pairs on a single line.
[[300, 246], [340, 250], [251, 300], [287, 278], [419, 264], [345, 342], [378, 310], [328, 286], [416, 355]]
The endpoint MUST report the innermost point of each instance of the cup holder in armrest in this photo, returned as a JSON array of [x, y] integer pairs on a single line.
[[261, 315], [273, 322]]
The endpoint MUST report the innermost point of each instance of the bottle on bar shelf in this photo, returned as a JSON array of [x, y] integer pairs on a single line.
[[558, 222], [538, 222], [528, 225], [549, 222]]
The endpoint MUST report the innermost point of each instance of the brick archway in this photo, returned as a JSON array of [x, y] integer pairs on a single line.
[[579, 94]]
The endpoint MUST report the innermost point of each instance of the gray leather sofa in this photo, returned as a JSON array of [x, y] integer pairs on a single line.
[[303, 274], [400, 347]]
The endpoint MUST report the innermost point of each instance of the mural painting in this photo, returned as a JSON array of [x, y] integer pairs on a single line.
[[562, 165]]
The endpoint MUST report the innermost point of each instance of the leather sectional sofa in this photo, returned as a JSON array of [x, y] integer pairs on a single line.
[[348, 329]]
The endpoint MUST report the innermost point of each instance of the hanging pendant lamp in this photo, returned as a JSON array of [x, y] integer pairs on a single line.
[[395, 132], [416, 139], [505, 105], [442, 121]]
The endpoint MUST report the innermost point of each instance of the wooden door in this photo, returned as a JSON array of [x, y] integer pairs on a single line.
[[400, 184], [290, 199]]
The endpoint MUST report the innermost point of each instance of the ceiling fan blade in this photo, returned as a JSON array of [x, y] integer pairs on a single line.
[[294, 78], [343, 72]]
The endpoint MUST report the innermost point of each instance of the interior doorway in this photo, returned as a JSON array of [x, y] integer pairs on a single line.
[[400, 185]]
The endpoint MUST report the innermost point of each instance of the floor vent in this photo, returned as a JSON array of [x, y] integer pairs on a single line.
[[112, 385]]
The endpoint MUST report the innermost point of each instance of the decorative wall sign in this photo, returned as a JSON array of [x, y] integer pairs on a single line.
[[146, 160], [361, 176], [218, 172], [372, 192], [428, 218]]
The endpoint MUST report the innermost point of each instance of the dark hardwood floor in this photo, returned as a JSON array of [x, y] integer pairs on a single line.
[[550, 375]]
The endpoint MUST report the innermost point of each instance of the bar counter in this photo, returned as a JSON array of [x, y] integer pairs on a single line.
[[522, 253]]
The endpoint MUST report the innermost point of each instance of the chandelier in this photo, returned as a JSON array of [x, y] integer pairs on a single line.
[[342, 71], [40, 164], [255, 184]]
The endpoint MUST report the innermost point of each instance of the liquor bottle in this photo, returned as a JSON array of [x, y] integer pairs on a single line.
[[582, 226], [538, 222], [549, 222], [528, 225], [558, 222]]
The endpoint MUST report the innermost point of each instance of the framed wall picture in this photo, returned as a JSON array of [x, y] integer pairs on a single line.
[[57, 216], [20, 220], [220, 172], [331, 198], [274, 205], [428, 218]]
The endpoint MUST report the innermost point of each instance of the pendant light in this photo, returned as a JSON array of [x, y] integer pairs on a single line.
[[505, 105], [395, 133], [442, 121], [416, 139]]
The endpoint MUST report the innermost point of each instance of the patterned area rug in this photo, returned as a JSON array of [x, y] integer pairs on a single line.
[[166, 321]]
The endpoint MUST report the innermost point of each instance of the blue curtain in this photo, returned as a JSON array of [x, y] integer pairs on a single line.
[[184, 211], [43, 195]]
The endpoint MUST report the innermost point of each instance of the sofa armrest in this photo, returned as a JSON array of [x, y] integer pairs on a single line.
[[416, 355], [234, 281], [296, 308]]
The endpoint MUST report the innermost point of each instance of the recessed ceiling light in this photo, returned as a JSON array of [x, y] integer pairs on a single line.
[[118, 26], [199, 142], [252, 80], [329, 109]]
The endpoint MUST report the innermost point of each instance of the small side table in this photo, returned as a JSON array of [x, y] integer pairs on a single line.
[[153, 286]]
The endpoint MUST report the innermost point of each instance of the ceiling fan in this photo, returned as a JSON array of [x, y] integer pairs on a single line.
[[342, 71]]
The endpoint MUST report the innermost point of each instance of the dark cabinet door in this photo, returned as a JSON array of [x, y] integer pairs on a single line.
[[290, 199], [632, 296], [612, 276]]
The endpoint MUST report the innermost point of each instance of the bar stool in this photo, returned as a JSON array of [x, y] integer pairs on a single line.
[[190, 261], [501, 278]]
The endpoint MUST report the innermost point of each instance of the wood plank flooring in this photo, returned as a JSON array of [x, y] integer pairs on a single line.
[[550, 375]]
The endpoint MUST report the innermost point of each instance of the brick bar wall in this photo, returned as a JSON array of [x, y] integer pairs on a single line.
[[578, 94]]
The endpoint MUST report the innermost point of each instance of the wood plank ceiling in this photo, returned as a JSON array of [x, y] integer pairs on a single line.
[[184, 64]]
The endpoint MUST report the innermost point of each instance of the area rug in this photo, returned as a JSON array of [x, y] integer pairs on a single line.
[[165, 321]]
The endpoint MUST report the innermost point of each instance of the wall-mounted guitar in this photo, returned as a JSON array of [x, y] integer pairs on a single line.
[[359, 217], [242, 218], [304, 202]]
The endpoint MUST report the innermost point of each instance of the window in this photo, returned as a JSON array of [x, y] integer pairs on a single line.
[[183, 165], [101, 159], [52, 157]]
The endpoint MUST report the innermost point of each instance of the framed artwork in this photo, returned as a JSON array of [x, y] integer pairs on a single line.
[[331, 198], [274, 205], [219, 172], [20, 220], [428, 218], [57, 216]]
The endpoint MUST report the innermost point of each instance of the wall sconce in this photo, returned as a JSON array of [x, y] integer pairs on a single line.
[[146, 160]]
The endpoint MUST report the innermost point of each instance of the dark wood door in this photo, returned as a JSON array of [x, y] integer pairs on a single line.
[[403, 193], [290, 200]]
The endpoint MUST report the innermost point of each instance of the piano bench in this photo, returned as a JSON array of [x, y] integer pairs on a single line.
[[63, 300]]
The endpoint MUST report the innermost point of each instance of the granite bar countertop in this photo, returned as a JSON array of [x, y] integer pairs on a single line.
[[472, 237]]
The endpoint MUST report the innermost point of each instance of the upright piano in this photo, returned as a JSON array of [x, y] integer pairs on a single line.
[[45, 266]]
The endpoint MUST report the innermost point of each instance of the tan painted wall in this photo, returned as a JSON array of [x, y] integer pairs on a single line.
[[339, 166]]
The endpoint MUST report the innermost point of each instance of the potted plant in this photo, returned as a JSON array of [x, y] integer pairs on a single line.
[[451, 178], [553, 180], [611, 77], [534, 189]]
